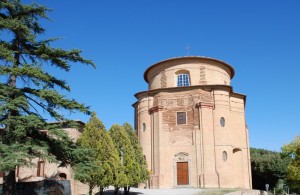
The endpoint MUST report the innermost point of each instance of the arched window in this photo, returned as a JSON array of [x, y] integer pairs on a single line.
[[183, 80]]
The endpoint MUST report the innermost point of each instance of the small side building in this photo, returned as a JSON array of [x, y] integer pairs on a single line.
[[45, 170], [192, 126]]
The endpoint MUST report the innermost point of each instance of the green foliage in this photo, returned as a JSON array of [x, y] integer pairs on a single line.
[[101, 169], [292, 150], [117, 157], [133, 169], [267, 168], [26, 89], [126, 154], [141, 171]]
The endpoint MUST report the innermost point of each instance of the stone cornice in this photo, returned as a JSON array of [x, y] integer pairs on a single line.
[[155, 109], [204, 87], [176, 89], [205, 105]]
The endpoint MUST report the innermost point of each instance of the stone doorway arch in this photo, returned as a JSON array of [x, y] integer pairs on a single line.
[[182, 169]]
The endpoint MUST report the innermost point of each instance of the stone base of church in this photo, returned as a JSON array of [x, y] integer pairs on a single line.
[[209, 180], [155, 181]]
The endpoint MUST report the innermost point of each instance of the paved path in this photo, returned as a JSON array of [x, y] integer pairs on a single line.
[[183, 191], [177, 191]]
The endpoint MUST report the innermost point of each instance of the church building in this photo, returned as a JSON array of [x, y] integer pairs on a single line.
[[192, 125]]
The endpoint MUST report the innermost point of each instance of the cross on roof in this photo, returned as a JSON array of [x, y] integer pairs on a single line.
[[187, 48]]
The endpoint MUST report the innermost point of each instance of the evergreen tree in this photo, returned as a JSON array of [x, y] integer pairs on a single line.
[[26, 89], [105, 159], [292, 150], [268, 167], [141, 173], [126, 171]]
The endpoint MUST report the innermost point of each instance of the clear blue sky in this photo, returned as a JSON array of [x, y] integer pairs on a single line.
[[260, 39]]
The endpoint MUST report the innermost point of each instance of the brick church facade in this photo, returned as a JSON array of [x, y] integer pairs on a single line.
[[192, 126]]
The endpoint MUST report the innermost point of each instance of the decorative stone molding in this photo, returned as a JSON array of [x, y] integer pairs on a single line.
[[181, 156], [163, 80], [183, 98], [202, 76], [205, 105]]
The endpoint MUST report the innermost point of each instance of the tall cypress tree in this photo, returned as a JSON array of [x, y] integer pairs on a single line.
[[26, 89], [105, 159], [140, 173], [126, 173]]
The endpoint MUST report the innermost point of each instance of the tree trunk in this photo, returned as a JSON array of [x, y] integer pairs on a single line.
[[9, 183], [116, 190], [101, 190], [9, 177], [91, 189], [126, 189]]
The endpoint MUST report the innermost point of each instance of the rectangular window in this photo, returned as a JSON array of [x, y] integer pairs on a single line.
[[181, 118]]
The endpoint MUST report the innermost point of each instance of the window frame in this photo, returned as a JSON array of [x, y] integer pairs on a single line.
[[177, 118], [183, 79]]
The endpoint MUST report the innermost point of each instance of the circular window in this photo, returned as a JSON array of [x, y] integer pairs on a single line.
[[224, 156], [222, 121]]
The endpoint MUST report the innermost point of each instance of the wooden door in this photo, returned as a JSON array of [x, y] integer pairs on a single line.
[[182, 173]]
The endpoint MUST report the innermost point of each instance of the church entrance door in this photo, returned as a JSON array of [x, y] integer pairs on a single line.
[[182, 173]]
